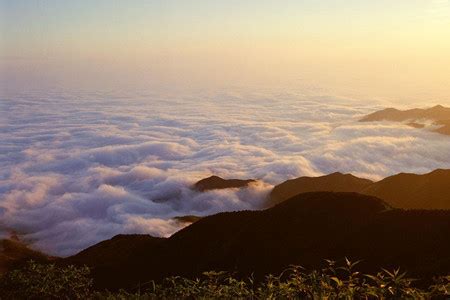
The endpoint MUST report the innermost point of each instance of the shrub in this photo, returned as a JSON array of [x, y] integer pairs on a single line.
[[334, 281], [46, 281], [331, 282]]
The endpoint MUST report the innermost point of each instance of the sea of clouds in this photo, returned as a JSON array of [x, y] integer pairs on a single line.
[[78, 168]]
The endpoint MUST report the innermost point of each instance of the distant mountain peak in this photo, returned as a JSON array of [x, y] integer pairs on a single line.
[[438, 114], [216, 183], [334, 182], [213, 177], [403, 190], [340, 174], [337, 174]]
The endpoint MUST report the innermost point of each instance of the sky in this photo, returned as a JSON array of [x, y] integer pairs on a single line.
[[389, 49]]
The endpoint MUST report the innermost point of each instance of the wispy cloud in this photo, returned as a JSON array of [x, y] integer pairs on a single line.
[[79, 168]]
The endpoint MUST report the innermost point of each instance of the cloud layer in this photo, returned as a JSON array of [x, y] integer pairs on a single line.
[[79, 168]]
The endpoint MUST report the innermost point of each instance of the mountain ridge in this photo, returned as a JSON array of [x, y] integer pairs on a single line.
[[334, 182], [14, 253], [217, 183], [439, 114], [303, 230], [403, 190]]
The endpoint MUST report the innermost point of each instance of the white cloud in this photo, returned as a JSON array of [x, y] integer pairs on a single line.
[[77, 169]]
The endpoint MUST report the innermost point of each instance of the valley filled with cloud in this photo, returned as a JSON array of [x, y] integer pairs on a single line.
[[78, 168]]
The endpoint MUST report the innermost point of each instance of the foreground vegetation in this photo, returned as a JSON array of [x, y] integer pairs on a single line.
[[36, 281]]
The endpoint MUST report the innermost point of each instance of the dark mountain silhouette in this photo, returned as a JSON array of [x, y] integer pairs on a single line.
[[187, 219], [336, 182], [303, 230], [439, 114], [14, 253], [408, 191], [215, 183], [444, 127], [414, 191]]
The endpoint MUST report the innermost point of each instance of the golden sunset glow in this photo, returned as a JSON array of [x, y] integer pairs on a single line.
[[397, 50]]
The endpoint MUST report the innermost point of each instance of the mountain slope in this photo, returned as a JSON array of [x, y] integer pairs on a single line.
[[407, 191], [438, 114], [216, 183], [122, 256], [336, 182], [414, 191], [303, 230], [14, 253]]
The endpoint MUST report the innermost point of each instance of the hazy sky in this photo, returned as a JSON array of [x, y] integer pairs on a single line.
[[383, 48]]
